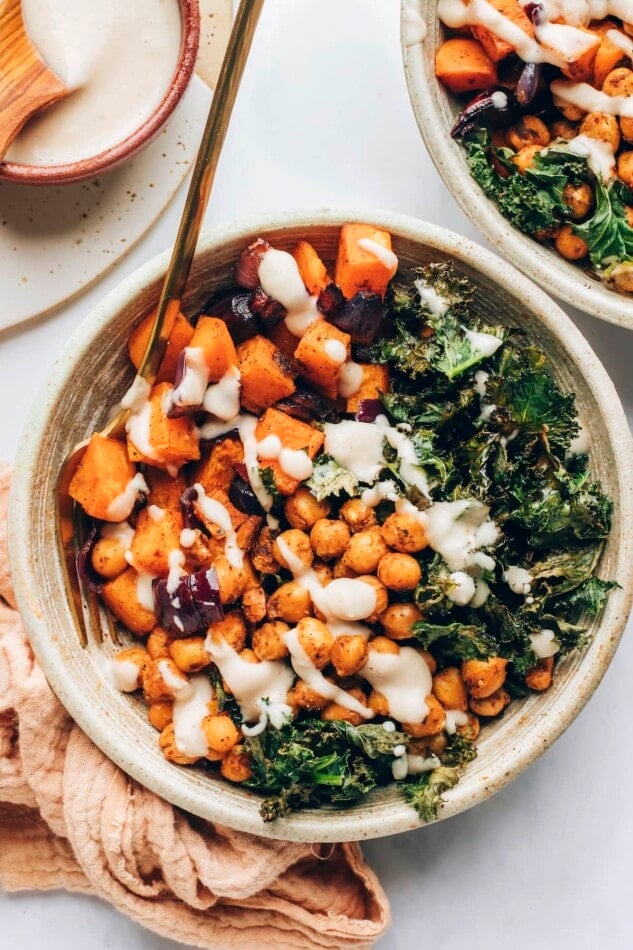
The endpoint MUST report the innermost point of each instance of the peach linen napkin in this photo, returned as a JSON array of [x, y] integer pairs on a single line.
[[69, 818]]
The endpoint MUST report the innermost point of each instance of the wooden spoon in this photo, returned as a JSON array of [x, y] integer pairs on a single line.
[[26, 82]]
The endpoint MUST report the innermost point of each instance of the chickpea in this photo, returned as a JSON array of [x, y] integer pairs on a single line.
[[433, 722], [160, 714], [329, 538], [570, 112], [189, 654], [298, 544], [158, 643], [357, 515], [529, 130], [619, 82], [471, 729], [622, 277], [248, 655], [540, 676], [161, 679], [449, 689], [626, 128], [167, 742], [135, 659], [302, 509], [579, 198], [340, 570], [254, 604], [290, 602], [349, 654], [236, 765], [323, 571], [377, 702], [525, 158], [398, 619], [268, 640], [232, 580], [399, 571], [220, 732], [563, 129], [334, 711], [382, 597], [383, 645], [231, 630], [305, 697], [603, 127], [262, 552], [492, 705], [571, 247], [484, 677], [404, 533], [365, 550], [437, 744], [316, 640], [108, 558], [625, 168]]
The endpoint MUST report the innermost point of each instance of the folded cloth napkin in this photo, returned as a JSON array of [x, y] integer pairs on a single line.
[[69, 818]]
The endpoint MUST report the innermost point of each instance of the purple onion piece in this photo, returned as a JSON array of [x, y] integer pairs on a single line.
[[187, 501], [330, 299], [269, 311], [362, 354], [360, 316], [308, 406], [246, 270], [527, 85], [234, 308], [498, 103], [85, 570], [193, 605], [242, 496], [369, 409], [536, 13], [176, 411]]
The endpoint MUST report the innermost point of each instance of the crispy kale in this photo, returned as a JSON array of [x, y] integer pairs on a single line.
[[329, 478], [607, 232], [454, 642], [268, 481], [425, 795]]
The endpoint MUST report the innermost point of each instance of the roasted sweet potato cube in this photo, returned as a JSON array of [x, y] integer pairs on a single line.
[[121, 596], [178, 340], [248, 531], [216, 471], [213, 529], [463, 65], [267, 375], [321, 352], [496, 48], [358, 268], [165, 491], [212, 336], [375, 380], [102, 475], [293, 434], [157, 534], [312, 269], [173, 441]]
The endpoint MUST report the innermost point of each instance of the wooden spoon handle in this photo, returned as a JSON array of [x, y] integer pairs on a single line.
[[26, 82]]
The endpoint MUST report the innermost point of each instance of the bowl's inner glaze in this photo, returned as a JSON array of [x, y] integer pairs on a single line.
[[91, 378]]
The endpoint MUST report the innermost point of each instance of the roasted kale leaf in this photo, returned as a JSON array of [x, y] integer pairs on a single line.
[[607, 232]]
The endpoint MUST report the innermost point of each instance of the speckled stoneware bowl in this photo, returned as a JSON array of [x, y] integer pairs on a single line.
[[435, 111], [120, 152], [93, 373]]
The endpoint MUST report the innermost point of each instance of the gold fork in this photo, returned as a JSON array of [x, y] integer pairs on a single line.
[[71, 524]]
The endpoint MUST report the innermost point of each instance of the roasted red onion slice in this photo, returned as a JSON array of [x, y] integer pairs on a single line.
[[246, 271], [192, 606], [330, 299], [234, 307], [244, 498], [269, 311], [308, 406], [527, 85], [498, 103], [85, 570], [369, 410], [187, 500], [360, 316], [179, 404]]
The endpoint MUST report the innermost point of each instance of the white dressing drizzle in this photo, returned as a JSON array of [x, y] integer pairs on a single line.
[[195, 379], [357, 446], [156, 514], [269, 447], [544, 644], [454, 718], [175, 560], [137, 395], [280, 278], [335, 350], [380, 491], [430, 299], [296, 463], [600, 157], [404, 679], [305, 670], [518, 579], [222, 399], [125, 675], [455, 529], [461, 588], [145, 591], [589, 99], [350, 379], [177, 682], [190, 708], [386, 257], [217, 513], [187, 537], [121, 507], [484, 344]]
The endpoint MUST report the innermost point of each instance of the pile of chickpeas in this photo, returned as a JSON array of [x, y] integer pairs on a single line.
[[349, 542], [531, 134]]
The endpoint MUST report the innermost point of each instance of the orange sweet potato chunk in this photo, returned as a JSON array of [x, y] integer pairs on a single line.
[[121, 596], [212, 336], [608, 55], [582, 69], [164, 490], [497, 48], [157, 534], [267, 375], [102, 475], [312, 269], [173, 441], [216, 471], [357, 268], [293, 434], [179, 339], [375, 380], [320, 368], [464, 66]]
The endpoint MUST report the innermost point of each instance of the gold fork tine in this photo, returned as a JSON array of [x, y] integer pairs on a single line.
[[202, 178]]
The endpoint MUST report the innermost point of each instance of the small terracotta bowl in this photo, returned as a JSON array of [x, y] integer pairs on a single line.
[[92, 374], [435, 110], [121, 151]]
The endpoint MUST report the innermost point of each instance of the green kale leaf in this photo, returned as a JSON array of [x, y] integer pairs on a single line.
[[329, 478], [425, 794], [607, 232], [455, 641], [267, 476], [552, 520]]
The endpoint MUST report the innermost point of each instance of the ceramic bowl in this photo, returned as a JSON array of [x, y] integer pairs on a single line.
[[93, 373], [436, 110], [120, 152]]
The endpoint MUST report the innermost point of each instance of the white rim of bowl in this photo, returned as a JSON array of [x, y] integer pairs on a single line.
[[537, 261], [385, 817]]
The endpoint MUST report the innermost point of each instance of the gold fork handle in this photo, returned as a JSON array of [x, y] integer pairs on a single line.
[[197, 199]]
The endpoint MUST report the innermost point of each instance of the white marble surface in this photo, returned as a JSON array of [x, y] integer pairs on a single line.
[[324, 119]]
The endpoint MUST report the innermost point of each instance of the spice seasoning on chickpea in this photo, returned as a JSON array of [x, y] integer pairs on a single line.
[[315, 632]]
